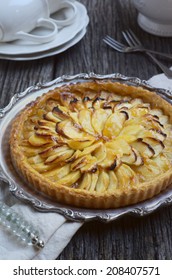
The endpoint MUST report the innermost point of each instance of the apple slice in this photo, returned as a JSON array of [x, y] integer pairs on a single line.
[[58, 172], [110, 104], [45, 153], [38, 141], [91, 149], [148, 171], [158, 134], [163, 162], [114, 124], [41, 167], [60, 112], [46, 124], [148, 121], [86, 151], [102, 182], [76, 105], [67, 128], [87, 102], [143, 148], [104, 94], [126, 176], [163, 119], [65, 98], [28, 132], [131, 133], [129, 158], [79, 144], [138, 111], [126, 113], [113, 182], [35, 159], [139, 159], [86, 181], [118, 146], [85, 117], [78, 163], [90, 166], [156, 144], [99, 118], [44, 132], [25, 143], [75, 118], [133, 121], [98, 102], [156, 112], [111, 161], [70, 179], [50, 104], [31, 151], [152, 122], [51, 117], [133, 158], [86, 163], [123, 104], [136, 101], [59, 156], [40, 113], [100, 152], [94, 179]]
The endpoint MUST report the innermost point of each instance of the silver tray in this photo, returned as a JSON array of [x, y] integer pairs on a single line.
[[21, 191]]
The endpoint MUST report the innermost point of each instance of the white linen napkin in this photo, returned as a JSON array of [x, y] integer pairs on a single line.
[[161, 81], [55, 230]]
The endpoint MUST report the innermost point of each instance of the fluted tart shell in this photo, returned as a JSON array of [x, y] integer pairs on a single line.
[[99, 144]]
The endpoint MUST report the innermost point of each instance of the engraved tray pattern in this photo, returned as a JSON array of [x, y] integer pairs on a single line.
[[21, 191]]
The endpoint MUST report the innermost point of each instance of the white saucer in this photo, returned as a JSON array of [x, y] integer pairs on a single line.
[[155, 27], [51, 52], [21, 47]]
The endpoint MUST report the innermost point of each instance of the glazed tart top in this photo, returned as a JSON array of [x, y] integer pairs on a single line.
[[97, 137]]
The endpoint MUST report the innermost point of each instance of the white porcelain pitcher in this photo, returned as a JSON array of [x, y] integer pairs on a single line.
[[155, 16]]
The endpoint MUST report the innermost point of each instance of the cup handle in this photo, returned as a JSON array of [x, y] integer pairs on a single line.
[[71, 18], [42, 38]]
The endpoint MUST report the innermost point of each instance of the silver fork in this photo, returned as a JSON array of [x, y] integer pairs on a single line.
[[133, 41], [126, 49]]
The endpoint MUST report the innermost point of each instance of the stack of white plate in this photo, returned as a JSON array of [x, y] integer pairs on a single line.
[[65, 38]]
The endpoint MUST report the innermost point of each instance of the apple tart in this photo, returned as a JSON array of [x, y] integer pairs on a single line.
[[99, 144]]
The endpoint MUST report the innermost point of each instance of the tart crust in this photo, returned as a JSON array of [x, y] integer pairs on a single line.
[[33, 119]]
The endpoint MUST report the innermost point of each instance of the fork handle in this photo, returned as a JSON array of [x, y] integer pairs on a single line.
[[155, 52], [164, 68]]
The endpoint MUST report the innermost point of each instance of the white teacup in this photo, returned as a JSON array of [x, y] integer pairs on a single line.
[[57, 5], [19, 17], [155, 16]]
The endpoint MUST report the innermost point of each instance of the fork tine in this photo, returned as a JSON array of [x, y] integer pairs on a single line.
[[135, 37], [112, 45], [124, 33], [129, 38], [113, 41]]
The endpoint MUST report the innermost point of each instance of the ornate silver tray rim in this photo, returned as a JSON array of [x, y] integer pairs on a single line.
[[37, 200]]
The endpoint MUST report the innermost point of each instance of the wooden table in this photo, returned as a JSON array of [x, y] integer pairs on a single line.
[[128, 238]]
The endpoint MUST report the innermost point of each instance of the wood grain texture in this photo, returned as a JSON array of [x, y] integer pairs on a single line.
[[130, 237]]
